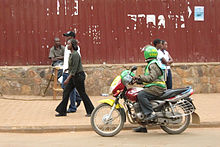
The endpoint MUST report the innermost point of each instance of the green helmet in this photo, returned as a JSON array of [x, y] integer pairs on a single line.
[[150, 52]]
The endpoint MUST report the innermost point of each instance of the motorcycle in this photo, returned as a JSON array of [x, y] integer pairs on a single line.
[[173, 108]]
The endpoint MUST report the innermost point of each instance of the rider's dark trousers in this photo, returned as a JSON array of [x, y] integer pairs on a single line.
[[144, 100], [75, 82]]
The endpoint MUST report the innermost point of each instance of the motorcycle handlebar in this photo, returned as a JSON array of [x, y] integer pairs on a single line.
[[136, 80]]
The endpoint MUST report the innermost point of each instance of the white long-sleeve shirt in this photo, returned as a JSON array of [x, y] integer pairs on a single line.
[[164, 55]]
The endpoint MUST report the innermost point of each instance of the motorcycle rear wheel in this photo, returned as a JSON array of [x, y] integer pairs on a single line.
[[104, 127], [177, 128]]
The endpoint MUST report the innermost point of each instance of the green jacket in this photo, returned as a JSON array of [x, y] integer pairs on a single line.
[[153, 79], [75, 65]]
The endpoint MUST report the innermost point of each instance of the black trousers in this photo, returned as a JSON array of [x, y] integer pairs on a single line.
[[144, 100], [78, 82], [169, 79]]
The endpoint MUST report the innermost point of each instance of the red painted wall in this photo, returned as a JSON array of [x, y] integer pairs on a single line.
[[110, 31]]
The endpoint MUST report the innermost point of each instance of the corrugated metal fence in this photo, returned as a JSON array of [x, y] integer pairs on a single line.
[[110, 31]]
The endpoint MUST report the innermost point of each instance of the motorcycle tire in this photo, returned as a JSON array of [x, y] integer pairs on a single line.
[[179, 130], [103, 129]]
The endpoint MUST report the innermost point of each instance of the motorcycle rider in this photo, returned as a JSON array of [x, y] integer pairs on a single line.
[[153, 79]]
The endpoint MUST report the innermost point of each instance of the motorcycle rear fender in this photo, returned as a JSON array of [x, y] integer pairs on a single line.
[[111, 103], [190, 100], [195, 118]]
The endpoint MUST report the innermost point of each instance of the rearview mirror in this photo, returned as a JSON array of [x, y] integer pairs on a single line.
[[133, 68]]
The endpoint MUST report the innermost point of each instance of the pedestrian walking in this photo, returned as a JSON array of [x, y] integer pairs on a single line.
[[76, 79], [75, 99]]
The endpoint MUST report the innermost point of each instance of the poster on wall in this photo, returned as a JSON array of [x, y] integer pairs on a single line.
[[199, 13]]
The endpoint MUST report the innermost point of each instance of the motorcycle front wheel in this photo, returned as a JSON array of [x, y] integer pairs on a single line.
[[180, 126], [103, 124]]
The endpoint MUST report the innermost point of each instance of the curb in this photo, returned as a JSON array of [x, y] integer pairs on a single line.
[[78, 128]]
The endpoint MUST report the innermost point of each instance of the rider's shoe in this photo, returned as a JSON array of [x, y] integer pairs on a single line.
[[140, 129], [150, 117]]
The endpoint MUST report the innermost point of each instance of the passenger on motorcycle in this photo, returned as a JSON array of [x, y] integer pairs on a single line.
[[153, 79]]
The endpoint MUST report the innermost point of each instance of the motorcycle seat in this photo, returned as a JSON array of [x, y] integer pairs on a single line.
[[172, 92]]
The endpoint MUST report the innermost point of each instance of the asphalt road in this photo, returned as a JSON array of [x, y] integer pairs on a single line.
[[202, 137]]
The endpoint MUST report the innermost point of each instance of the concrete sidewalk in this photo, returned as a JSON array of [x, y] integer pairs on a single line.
[[36, 114]]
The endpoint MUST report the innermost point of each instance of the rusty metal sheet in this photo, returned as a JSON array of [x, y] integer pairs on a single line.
[[109, 31]]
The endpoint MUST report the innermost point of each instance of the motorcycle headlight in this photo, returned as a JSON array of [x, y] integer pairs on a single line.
[[115, 82]]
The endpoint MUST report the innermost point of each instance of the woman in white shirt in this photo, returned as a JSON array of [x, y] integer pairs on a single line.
[[166, 60]]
